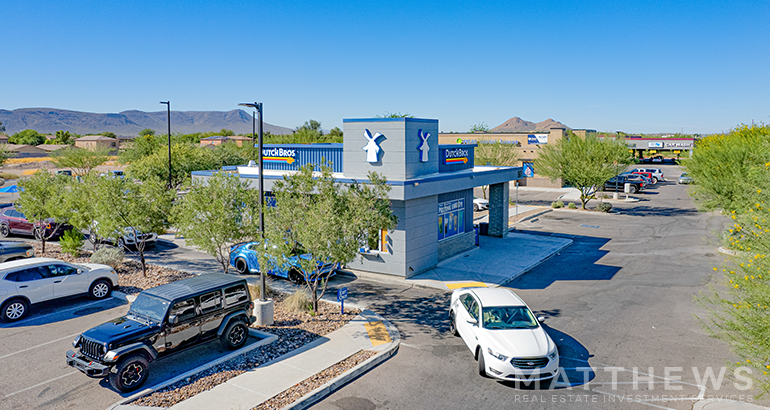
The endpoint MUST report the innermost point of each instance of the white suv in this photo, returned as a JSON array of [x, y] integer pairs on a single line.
[[29, 281]]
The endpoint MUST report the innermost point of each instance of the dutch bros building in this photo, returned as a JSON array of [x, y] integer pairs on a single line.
[[431, 188]]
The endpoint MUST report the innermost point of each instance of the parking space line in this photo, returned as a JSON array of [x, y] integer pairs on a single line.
[[40, 345], [32, 319], [40, 384]]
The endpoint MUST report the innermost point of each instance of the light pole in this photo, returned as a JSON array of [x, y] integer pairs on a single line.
[[168, 107], [258, 107]]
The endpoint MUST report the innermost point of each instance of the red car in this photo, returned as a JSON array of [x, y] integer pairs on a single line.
[[14, 222], [648, 175]]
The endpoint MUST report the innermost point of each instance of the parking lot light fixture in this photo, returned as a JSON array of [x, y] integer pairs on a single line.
[[168, 108]]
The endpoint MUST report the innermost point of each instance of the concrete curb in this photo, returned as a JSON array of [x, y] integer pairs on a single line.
[[724, 404], [528, 217], [267, 338], [122, 296], [322, 392], [536, 264]]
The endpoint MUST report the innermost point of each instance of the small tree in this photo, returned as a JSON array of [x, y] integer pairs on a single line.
[[480, 127], [82, 161], [133, 208], [40, 201], [83, 198], [495, 153], [217, 214], [586, 163], [324, 221], [26, 137], [4, 154]]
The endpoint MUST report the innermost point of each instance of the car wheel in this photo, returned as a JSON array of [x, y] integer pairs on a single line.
[[130, 373], [100, 289], [234, 337], [633, 189], [92, 237], [241, 266], [476, 208], [654, 180], [14, 310], [4, 231], [121, 243], [36, 233], [482, 364], [453, 324], [296, 277]]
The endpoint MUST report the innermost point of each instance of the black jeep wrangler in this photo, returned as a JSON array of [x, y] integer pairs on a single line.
[[162, 320]]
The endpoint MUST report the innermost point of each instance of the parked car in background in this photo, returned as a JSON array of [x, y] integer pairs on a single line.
[[244, 257], [503, 334], [632, 176], [34, 280], [10, 251], [685, 179], [128, 238], [166, 319], [480, 204], [657, 159], [617, 183], [115, 173], [657, 174], [652, 180], [63, 172], [14, 222]]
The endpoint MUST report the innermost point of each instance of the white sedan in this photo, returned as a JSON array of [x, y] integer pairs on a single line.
[[503, 335], [33, 280]]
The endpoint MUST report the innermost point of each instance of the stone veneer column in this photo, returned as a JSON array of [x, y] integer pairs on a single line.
[[498, 209]]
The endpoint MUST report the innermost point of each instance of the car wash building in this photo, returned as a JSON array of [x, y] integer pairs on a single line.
[[431, 188]]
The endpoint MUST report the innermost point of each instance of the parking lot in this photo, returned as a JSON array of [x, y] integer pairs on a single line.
[[35, 374]]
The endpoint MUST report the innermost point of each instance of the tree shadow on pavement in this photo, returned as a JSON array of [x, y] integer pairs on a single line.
[[580, 261], [656, 211]]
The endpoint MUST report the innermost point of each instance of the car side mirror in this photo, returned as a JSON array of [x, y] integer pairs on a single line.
[[473, 321], [541, 319], [173, 319]]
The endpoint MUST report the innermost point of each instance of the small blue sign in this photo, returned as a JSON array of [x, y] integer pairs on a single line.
[[342, 294]]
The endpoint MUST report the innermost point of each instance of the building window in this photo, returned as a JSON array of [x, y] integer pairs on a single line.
[[376, 242], [451, 218]]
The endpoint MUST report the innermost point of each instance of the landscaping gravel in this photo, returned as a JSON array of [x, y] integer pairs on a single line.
[[294, 330]]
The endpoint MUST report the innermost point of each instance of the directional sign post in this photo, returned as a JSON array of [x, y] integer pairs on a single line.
[[342, 294]]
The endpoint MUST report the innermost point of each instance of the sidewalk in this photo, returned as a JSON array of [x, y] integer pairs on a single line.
[[367, 331]]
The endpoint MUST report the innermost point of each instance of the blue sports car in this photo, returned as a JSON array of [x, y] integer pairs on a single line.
[[243, 257]]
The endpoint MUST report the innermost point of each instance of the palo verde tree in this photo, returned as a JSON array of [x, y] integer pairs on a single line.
[[40, 200], [585, 163], [82, 161], [82, 198], [324, 222], [732, 173], [128, 207], [480, 127], [495, 153], [217, 214]]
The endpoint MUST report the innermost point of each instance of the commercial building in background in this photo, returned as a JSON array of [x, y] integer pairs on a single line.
[[431, 187]]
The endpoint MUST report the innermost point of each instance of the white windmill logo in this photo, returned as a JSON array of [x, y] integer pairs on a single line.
[[371, 148], [424, 148]]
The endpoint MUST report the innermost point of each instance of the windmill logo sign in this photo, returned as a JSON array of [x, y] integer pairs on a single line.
[[424, 148], [279, 155], [371, 148], [456, 156]]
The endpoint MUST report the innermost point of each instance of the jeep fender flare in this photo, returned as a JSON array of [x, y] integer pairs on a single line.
[[133, 348], [226, 321]]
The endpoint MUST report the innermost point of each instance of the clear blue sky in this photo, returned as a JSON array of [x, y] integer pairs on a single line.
[[665, 66]]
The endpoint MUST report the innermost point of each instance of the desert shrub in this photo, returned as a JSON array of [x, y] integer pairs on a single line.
[[8, 175], [604, 207], [108, 256], [299, 301], [557, 204], [255, 290], [571, 205], [71, 242]]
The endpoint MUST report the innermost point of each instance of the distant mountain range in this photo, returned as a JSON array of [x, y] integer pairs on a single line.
[[129, 123], [516, 124]]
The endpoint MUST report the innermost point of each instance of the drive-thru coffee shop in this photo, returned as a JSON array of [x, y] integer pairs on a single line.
[[431, 188]]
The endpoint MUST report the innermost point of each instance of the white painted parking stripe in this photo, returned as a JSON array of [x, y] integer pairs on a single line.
[[40, 345], [40, 384], [34, 318]]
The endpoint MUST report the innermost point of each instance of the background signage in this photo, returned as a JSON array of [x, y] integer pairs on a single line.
[[655, 144], [536, 139], [456, 156]]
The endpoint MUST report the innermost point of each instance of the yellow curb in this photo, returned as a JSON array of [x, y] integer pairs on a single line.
[[466, 285], [378, 335]]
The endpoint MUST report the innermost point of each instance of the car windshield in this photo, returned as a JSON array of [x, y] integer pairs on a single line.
[[508, 317], [149, 307]]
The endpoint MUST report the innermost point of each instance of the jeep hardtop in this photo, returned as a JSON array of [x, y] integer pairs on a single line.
[[162, 320]]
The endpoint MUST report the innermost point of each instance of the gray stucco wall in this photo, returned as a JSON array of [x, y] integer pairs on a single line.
[[399, 156]]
